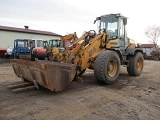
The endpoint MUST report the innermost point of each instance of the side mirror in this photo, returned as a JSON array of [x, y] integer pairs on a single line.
[[125, 21], [98, 18]]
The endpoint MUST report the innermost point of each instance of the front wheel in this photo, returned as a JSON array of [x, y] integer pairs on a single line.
[[135, 64], [107, 67]]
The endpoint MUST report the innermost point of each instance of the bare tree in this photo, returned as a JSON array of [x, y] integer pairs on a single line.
[[153, 32]]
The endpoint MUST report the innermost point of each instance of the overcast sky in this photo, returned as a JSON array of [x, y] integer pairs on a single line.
[[68, 16]]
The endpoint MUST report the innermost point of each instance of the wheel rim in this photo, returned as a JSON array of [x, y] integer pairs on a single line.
[[112, 68], [139, 64]]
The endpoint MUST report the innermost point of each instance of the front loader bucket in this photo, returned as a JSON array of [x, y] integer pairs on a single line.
[[51, 75]]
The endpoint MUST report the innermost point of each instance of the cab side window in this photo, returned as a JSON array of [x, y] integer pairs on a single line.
[[121, 30]]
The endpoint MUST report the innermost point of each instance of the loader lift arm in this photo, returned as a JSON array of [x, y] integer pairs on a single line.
[[84, 54]]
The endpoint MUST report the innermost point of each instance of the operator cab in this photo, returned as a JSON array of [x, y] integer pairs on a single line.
[[115, 27], [20, 47], [38, 43], [55, 43]]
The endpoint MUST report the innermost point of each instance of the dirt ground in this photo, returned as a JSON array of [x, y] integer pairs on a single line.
[[131, 98]]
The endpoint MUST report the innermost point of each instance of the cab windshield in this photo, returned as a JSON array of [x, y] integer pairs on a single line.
[[110, 24], [54, 43], [22, 43], [39, 43]]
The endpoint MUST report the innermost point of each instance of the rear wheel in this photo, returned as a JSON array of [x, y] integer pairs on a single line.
[[135, 64], [107, 67]]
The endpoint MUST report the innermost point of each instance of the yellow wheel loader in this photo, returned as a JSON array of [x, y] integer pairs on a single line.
[[104, 52], [56, 45]]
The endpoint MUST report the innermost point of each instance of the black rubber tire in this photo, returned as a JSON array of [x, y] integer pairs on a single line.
[[101, 67], [132, 68]]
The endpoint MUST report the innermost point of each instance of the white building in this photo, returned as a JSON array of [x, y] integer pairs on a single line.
[[9, 34]]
